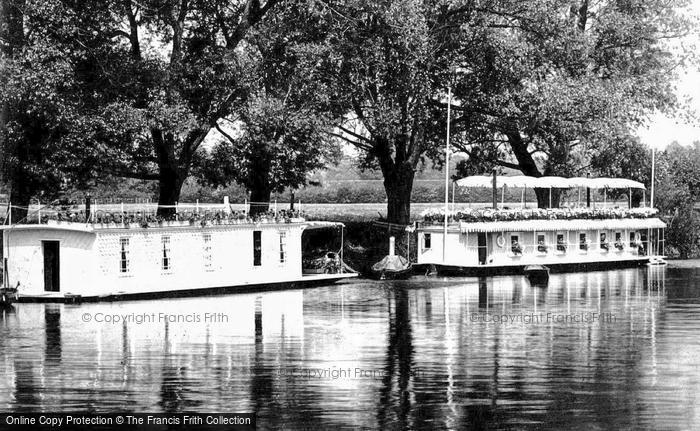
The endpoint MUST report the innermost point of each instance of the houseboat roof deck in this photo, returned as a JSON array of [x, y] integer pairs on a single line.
[[489, 215], [77, 221]]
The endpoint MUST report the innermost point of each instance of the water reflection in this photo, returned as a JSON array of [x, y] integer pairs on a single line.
[[423, 353]]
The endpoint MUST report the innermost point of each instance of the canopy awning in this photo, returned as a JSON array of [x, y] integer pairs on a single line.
[[323, 224], [561, 225], [549, 182]]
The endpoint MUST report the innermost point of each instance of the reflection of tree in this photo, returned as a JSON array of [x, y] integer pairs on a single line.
[[483, 293], [173, 389], [52, 320], [26, 397], [395, 406], [261, 383]]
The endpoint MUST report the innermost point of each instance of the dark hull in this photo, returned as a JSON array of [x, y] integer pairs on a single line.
[[392, 275], [450, 270], [207, 291], [7, 297]]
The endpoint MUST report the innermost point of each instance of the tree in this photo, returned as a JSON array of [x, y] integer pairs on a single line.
[[565, 82], [388, 64], [178, 67], [282, 132], [46, 98], [622, 158], [677, 189], [277, 147]]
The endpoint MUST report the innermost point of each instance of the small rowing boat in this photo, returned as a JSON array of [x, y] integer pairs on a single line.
[[537, 274]]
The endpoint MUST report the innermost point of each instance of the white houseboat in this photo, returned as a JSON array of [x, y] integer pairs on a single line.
[[493, 240], [119, 256]]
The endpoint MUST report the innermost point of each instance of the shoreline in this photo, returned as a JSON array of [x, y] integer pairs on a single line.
[[683, 263]]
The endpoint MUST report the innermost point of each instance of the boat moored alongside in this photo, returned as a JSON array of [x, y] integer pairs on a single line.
[[76, 261], [505, 241]]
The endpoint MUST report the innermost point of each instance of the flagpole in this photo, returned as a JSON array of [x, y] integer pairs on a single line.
[[653, 169], [447, 175]]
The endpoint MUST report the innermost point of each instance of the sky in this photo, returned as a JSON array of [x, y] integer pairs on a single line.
[[663, 130]]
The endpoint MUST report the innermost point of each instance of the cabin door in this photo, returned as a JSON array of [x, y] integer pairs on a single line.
[[51, 266], [481, 238]]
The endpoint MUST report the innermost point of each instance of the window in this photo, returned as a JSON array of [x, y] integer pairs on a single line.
[[123, 255], [582, 242], [283, 247], [633, 238], [515, 246], [166, 264], [541, 243], [618, 241], [206, 250], [257, 248], [561, 242], [604, 245], [427, 241]]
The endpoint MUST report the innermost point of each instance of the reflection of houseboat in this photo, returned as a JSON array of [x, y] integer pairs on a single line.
[[124, 257], [506, 240]]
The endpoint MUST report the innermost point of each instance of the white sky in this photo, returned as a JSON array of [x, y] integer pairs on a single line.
[[663, 130]]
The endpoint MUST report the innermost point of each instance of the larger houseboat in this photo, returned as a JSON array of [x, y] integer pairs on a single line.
[[131, 256], [499, 240]]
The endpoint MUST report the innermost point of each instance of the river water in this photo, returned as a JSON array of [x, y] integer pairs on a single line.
[[597, 350]]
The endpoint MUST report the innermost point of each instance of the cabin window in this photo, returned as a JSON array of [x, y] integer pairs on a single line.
[[582, 242], [257, 248], [561, 242], [206, 250], [541, 243], [632, 238], [123, 255], [166, 264], [604, 244], [618, 241], [283, 247], [515, 246], [427, 241]]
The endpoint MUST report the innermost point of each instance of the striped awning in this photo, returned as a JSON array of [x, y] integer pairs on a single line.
[[561, 225]]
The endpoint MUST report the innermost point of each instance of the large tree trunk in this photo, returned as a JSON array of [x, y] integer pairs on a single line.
[[543, 198], [171, 174], [169, 187], [528, 167], [20, 194], [398, 184], [259, 200], [12, 33], [259, 180]]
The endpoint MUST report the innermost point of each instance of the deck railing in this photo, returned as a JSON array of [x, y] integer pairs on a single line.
[[145, 219]]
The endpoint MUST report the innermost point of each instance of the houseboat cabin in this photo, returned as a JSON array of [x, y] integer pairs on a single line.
[[60, 259], [506, 240]]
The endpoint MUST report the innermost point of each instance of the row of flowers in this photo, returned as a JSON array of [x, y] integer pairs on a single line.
[[146, 220], [485, 215]]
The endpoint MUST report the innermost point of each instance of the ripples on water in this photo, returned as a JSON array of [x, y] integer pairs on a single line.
[[423, 353]]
